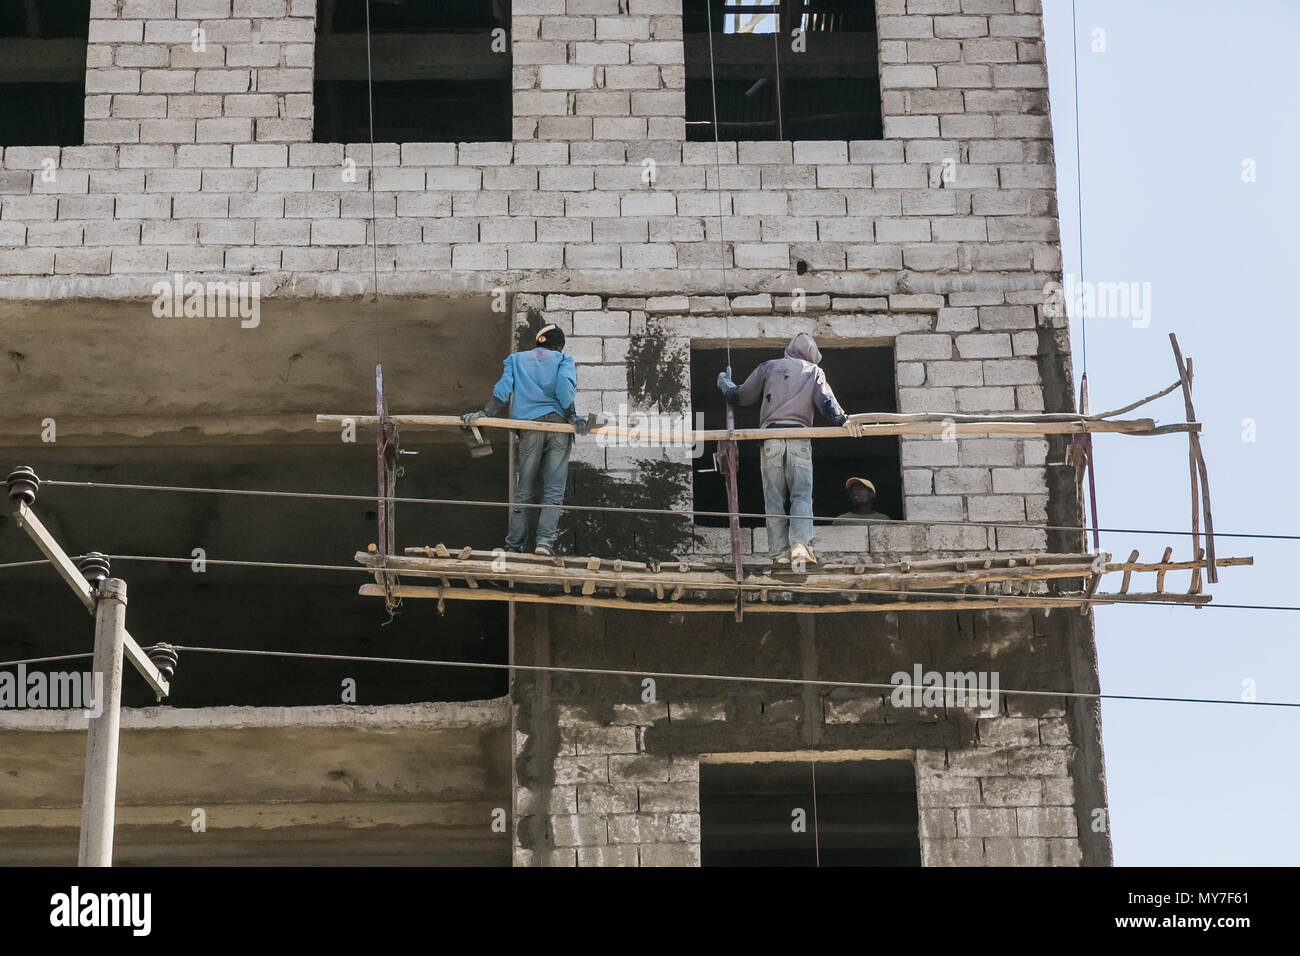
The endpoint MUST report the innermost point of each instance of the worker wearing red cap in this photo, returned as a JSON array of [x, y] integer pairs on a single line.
[[862, 503]]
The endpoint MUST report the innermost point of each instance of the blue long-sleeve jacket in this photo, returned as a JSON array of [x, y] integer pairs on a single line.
[[536, 383]]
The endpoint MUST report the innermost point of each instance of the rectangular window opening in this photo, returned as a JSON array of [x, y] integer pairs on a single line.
[[765, 814], [772, 83], [862, 379], [43, 72], [440, 72], [218, 372]]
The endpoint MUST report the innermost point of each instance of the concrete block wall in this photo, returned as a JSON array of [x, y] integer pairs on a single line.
[[201, 161], [1007, 802], [1010, 801], [598, 70], [605, 777], [200, 71], [613, 804]]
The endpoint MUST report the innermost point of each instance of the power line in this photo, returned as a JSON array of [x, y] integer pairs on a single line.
[[958, 598], [1078, 179], [717, 163], [628, 509], [370, 98], [725, 678], [43, 660]]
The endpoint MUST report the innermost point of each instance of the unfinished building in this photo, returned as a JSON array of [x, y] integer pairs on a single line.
[[674, 183]]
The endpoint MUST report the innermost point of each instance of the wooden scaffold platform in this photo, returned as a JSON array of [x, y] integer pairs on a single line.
[[974, 583], [673, 584]]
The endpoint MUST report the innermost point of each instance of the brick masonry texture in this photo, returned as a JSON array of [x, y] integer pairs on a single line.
[[959, 195], [617, 781]]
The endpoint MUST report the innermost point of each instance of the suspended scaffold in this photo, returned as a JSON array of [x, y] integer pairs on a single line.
[[677, 584]]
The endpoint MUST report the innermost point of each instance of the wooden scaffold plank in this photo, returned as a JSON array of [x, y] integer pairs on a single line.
[[687, 585]]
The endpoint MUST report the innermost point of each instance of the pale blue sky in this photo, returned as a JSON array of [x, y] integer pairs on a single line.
[[1184, 92]]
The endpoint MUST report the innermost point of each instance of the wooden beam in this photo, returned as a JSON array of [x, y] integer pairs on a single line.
[[715, 579], [1135, 426], [1128, 571], [959, 602], [1197, 461], [920, 575], [1132, 565]]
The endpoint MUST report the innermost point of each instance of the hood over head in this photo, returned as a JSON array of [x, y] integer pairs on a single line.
[[802, 346]]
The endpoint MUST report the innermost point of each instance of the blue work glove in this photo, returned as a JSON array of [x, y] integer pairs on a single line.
[[469, 418]]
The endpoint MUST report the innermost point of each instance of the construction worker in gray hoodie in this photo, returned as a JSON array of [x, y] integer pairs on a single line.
[[791, 388]]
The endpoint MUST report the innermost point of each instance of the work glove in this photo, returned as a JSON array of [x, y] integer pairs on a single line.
[[581, 425], [854, 429], [729, 390], [469, 418]]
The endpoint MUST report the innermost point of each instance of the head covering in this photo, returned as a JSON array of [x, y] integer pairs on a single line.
[[803, 346], [862, 481], [551, 337]]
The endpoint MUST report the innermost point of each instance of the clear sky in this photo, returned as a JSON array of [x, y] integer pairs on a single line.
[[1184, 94]]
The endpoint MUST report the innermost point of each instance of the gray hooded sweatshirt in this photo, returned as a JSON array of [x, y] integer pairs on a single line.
[[791, 387]]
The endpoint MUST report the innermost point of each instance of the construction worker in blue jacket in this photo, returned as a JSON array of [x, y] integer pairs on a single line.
[[540, 386]]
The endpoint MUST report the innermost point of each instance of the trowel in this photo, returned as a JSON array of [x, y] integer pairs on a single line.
[[479, 447]]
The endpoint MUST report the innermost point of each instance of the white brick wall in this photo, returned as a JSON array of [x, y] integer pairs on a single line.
[[599, 90]]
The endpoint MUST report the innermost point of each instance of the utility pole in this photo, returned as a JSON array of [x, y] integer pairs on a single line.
[[99, 790], [105, 598]]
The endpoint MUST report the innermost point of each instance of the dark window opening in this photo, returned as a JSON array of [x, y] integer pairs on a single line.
[[43, 72], [317, 612], [862, 379], [440, 73], [766, 89], [764, 814]]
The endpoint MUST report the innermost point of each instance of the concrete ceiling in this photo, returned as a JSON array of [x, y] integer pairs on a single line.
[[412, 784], [110, 371]]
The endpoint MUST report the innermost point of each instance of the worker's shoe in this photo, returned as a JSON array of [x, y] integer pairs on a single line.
[[782, 559], [802, 554], [545, 550]]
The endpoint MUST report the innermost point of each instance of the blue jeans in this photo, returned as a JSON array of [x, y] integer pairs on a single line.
[[788, 472], [542, 456]]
